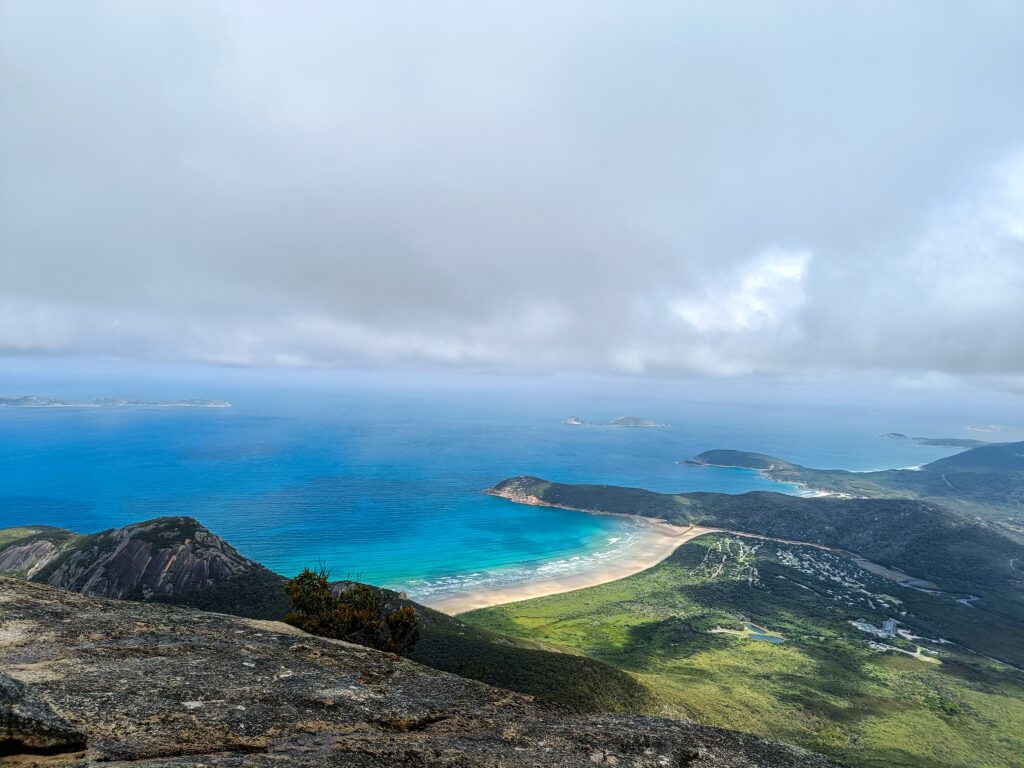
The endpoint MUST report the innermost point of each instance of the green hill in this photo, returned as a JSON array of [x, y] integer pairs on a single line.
[[743, 459], [986, 480], [959, 554], [680, 628], [999, 457]]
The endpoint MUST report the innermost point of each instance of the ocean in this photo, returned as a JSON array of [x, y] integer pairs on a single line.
[[380, 477]]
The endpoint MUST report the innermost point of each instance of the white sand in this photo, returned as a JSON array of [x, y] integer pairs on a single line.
[[659, 540]]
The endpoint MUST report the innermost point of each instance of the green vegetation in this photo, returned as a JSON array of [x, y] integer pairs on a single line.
[[987, 480], [166, 531], [522, 664], [824, 688], [255, 593], [746, 460], [961, 555], [26, 535], [352, 612], [450, 644], [951, 442], [11, 535]]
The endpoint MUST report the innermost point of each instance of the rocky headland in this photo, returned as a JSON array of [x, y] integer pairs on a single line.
[[164, 557]]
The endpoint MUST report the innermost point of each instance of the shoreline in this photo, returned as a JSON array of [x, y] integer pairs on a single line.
[[803, 489], [665, 538], [662, 539]]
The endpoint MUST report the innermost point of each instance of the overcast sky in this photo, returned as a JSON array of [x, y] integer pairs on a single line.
[[615, 188]]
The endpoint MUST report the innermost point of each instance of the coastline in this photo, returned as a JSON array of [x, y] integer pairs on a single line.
[[665, 539], [804, 490], [660, 540]]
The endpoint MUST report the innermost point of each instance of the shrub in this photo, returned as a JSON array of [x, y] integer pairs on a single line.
[[357, 615]]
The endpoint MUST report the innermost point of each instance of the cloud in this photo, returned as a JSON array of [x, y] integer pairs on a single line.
[[947, 301], [673, 189], [758, 296]]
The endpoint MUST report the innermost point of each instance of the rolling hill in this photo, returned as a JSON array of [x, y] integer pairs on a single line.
[[959, 554]]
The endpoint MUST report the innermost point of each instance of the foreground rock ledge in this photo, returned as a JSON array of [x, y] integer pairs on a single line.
[[153, 685]]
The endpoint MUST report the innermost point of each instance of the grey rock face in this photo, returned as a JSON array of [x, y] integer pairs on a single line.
[[29, 557], [154, 685], [162, 557]]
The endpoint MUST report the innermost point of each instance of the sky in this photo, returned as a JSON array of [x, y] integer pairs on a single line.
[[723, 189]]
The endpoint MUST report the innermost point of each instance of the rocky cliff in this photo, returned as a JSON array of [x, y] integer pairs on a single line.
[[165, 557], [92, 681]]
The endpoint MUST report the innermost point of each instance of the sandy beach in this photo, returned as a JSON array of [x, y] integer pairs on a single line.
[[659, 541]]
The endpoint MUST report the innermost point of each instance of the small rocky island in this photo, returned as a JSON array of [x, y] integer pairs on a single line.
[[33, 401], [623, 421], [633, 421]]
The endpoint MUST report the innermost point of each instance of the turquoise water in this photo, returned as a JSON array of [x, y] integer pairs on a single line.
[[380, 478], [760, 634]]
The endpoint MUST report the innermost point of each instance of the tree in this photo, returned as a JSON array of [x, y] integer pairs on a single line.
[[358, 614]]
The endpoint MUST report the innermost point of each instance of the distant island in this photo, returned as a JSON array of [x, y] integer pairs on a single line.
[[951, 442], [945, 442], [622, 421], [31, 401]]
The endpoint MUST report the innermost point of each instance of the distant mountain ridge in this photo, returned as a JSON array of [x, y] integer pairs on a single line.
[[986, 479]]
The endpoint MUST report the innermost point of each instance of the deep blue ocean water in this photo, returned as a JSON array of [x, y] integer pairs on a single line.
[[380, 478]]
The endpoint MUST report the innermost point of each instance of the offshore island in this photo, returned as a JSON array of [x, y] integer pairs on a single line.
[[633, 422], [32, 401]]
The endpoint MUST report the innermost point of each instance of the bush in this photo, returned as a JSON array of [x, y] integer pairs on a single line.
[[357, 615]]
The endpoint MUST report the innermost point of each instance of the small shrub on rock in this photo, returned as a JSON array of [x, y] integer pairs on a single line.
[[357, 614]]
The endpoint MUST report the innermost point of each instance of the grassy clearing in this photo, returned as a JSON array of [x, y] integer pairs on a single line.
[[9, 535]]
